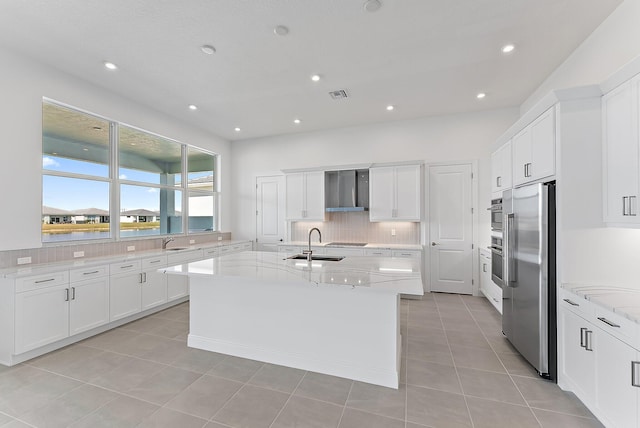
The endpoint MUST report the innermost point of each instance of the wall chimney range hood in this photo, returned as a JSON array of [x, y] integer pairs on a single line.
[[346, 190]]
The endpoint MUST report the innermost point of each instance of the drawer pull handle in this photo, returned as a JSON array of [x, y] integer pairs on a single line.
[[45, 280], [495, 300], [571, 302], [609, 323], [634, 374], [126, 267], [91, 273], [582, 331], [154, 261]]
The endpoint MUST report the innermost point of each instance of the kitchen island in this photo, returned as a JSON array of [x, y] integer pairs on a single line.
[[335, 317]]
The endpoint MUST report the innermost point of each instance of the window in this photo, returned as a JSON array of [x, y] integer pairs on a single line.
[[201, 185], [75, 179], [157, 186]]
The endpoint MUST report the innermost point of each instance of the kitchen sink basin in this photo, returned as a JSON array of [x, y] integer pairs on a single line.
[[317, 257]]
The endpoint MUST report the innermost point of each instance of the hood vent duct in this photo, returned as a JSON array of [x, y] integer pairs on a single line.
[[346, 190]]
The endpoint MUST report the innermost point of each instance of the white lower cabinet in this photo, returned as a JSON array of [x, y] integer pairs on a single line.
[[154, 283], [597, 363], [89, 304], [125, 297], [42, 317]]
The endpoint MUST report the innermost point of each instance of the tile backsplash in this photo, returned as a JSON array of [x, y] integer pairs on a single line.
[[356, 227], [60, 253]]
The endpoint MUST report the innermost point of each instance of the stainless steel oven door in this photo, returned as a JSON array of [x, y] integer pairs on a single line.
[[496, 266]]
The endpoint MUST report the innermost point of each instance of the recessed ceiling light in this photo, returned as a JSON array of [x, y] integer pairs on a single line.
[[237, 129], [508, 48], [315, 77], [208, 49], [372, 5], [481, 95], [281, 30], [110, 65], [193, 107], [296, 121], [390, 107]]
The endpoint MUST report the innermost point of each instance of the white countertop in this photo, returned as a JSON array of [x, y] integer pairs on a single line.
[[368, 245], [623, 301], [45, 268], [398, 275]]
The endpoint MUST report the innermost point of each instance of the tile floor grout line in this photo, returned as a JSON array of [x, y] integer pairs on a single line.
[[344, 408], [455, 366], [288, 399]]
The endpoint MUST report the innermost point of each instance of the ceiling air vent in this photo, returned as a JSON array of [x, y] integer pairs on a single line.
[[339, 94]]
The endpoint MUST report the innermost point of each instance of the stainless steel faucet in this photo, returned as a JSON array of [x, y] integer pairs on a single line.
[[165, 241], [308, 251]]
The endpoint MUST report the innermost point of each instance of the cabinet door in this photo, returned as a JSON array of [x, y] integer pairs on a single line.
[[543, 137], [577, 362], [616, 399], [620, 110], [521, 156], [381, 193], [505, 156], [295, 196], [125, 296], [42, 317], [314, 196], [154, 289], [89, 307], [497, 178], [407, 188], [177, 286]]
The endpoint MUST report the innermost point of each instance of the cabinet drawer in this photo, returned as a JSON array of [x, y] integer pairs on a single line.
[[88, 273], [377, 252], [125, 267], [291, 249], [344, 251], [210, 252], [576, 304], [406, 253], [154, 262], [181, 257], [616, 325], [41, 281]]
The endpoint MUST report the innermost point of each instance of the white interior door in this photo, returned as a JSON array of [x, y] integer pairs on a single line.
[[270, 206], [451, 228]]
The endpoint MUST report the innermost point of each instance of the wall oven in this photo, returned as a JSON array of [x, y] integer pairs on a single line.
[[496, 214], [496, 258]]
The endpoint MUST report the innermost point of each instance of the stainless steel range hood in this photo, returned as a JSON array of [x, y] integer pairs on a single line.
[[346, 190]]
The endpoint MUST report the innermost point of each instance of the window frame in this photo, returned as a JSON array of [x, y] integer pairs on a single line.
[[115, 183]]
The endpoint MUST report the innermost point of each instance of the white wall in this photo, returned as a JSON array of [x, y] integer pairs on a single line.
[[23, 83], [433, 139], [612, 45]]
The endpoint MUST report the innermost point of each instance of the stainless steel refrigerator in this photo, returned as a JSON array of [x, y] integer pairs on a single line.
[[529, 290]]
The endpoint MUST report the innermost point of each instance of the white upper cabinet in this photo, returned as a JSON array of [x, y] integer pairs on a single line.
[[305, 196], [395, 193], [620, 153], [501, 168], [534, 150]]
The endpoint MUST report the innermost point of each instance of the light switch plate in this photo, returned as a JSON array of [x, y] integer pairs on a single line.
[[24, 260], [78, 254], [393, 232], [219, 238], [131, 247], [192, 241]]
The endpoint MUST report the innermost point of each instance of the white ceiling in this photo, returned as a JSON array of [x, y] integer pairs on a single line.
[[426, 57]]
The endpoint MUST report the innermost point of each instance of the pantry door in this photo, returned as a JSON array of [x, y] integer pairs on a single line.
[[270, 223], [451, 228]]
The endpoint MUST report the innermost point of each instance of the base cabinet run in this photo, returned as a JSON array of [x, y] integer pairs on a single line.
[[598, 362]]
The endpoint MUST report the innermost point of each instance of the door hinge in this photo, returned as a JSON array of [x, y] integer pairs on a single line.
[[472, 175], [472, 246], [471, 210], [472, 282], [256, 212]]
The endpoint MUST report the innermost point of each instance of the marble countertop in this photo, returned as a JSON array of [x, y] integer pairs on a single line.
[[45, 268], [368, 245], [398, 275], [623, 301]]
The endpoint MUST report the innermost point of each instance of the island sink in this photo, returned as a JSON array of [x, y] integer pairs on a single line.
[[317, 257]]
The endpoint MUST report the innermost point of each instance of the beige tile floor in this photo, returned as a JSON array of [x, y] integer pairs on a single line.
[[458, 371]]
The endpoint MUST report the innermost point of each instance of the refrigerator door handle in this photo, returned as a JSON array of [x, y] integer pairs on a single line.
[[508, 249]]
